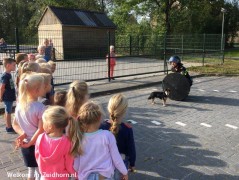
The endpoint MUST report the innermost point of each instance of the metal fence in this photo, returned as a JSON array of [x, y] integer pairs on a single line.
[[82, 54]]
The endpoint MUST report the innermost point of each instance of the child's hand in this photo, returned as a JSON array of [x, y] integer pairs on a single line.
[[132, 169], [19, 140], [125, 177], [21, 137], [25, 145]]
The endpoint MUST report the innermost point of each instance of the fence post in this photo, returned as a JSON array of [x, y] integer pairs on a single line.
[[130, 45], [223, 48], [109, 55], [164, 53], [138, 44], [182, 47], [17, 40], [155, 46], [203, 56]]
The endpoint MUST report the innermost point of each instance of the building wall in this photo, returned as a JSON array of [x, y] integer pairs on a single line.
[[82, 42], [49, 19]]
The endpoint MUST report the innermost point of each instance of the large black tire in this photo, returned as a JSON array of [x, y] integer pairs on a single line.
[[178, 85]]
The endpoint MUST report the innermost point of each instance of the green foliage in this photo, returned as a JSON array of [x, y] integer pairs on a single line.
[[132, 17]]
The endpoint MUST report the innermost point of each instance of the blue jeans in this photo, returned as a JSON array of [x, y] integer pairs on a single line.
[[95, 176], [8, 106]]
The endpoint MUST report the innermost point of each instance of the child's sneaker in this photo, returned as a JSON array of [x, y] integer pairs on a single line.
[[10, 130]]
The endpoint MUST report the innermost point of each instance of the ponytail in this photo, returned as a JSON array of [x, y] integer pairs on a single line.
[[75, 137], [23, 100], [114, 126], [117, 108]]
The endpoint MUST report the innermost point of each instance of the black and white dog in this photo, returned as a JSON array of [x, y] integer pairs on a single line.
[[161, 95]]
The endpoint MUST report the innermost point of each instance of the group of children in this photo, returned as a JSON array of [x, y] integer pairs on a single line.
[[62, 135]]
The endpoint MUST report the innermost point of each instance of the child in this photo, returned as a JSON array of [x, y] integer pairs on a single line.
[[117, 108], [28, 121], [53, 65], [178, 67], [7, 91], [112, 61], [31, 57], [100, 152], [77, 95], [41, 52], [29, 67], [60, 98], [54, 151], [21, 58]]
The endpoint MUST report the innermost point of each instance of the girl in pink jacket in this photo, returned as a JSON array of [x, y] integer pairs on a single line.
[[112, 62], [54, 151]]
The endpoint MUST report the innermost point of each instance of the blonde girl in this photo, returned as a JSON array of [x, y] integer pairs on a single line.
[[28, 119], [77, 95], [30, 66], [55, 151], [112, 61], [123, 132], [100, 152]]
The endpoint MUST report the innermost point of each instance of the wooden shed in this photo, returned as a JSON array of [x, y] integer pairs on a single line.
[[76, 33]]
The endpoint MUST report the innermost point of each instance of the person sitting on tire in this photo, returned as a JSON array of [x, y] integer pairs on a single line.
[[177, 66]]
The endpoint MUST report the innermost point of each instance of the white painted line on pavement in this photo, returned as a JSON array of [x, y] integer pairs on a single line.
[[156, 122], [132, 121], [231, 126], [206, 125], [215, 90], [201, 89], [155, 89], [232, 91], [148, 173], [180, 124]]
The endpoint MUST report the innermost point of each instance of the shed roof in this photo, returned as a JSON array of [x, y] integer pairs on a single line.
[[78, 17]]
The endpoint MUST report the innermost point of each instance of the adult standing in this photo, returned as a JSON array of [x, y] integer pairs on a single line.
[[48, 49]]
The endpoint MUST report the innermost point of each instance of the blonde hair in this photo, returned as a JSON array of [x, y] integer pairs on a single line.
[[112, 48], [47, 77], [45, 70], [117, 108], [29, 67], [58, 116], [76, 97], [26, 85], [40, 59], [45, 65], [51, 63], [89, 113], [41, 47]]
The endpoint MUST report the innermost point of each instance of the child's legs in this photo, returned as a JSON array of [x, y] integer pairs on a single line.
[[112, 67], [30, 161], [33, 173], [8, 111]]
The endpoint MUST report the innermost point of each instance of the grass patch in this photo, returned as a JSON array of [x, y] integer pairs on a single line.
[[234, 53], [230, 67]]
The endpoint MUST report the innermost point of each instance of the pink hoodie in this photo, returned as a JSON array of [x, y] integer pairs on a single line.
[[53, 157]]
